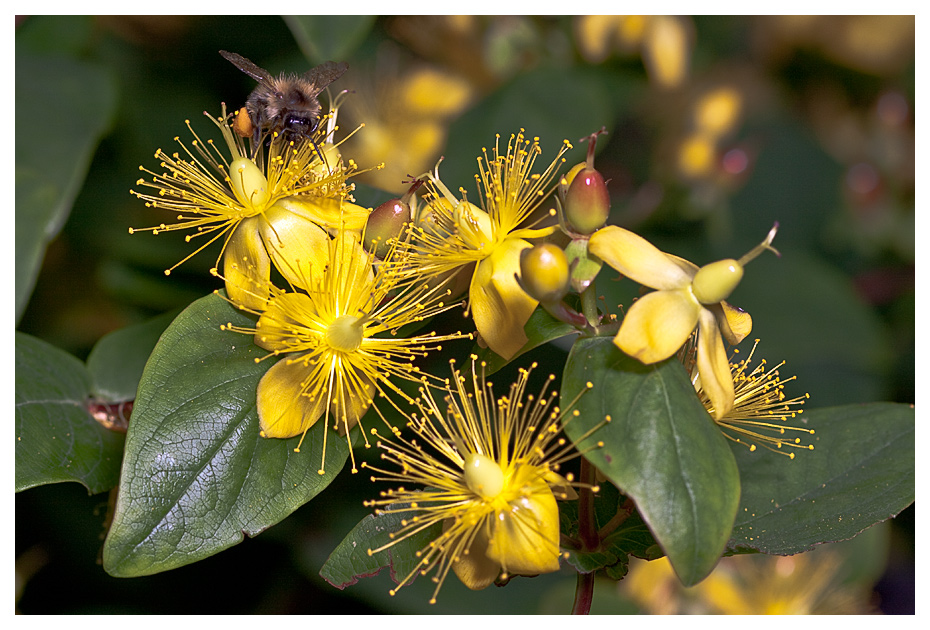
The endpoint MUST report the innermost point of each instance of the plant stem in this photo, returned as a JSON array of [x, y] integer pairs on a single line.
[[587, 528], [584, 594], [587, 532], [589, 305]]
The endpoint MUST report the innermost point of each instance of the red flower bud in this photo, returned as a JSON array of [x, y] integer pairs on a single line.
[[587, 202]]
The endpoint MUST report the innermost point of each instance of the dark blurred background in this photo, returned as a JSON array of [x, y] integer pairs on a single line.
[[717, 128]]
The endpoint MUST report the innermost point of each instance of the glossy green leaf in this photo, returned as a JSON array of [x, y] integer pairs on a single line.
[[53, 150], [56, 437], [350, 560], [860, 472], [661, 449], [197, 476], [116, 362], [541, 328], [329, 37]]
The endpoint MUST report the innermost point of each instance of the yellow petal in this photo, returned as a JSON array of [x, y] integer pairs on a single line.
[[499, 306], [526, 233], [526, 535], [246, 266], [658, 324], [637, 259], [734, 323], [713, 365], [282, 411], [355, 394], [284, 315], [298, 247], [327, 212], [473, 566]]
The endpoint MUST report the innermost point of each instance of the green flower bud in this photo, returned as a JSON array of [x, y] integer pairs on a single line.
[[544, 272], [715, 281]]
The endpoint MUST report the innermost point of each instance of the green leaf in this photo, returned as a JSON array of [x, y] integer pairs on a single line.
[[860, 472], [54, 148], [541, 328], [661, 449], [350, 560], [197, 475], [329, 37], [631, 537], [116, 361], [56, 438]]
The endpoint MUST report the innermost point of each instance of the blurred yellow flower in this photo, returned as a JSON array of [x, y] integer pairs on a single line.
[[490, 471], [454, 234], [337, 330], [667, 51], [658, 324], [718, 111], [406, 119], [804, 584], [260, 208], [664, 42]]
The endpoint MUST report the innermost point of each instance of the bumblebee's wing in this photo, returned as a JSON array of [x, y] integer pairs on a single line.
[[259, 74], [324, 74]]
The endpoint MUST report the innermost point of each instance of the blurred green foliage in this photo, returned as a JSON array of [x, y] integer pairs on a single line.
[[824, 145]]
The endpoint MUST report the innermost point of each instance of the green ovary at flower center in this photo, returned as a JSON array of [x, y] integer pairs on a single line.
[[483, 475], [249, 185], [345, 334]]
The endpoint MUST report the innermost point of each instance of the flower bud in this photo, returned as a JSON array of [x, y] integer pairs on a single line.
[[587, 202], [715, 281], [384, 224], [249, 184], [544, 272]]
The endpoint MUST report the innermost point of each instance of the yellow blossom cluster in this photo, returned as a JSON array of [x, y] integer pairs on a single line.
[[335, 305]]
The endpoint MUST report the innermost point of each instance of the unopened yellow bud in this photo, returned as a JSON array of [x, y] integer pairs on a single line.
[[715, 282], [249, 184], [483, 475], [544, 272]]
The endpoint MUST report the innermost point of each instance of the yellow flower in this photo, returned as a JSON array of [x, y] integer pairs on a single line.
[[338, 331], [815, 582], [759, 402], [491, 478], [260, 210], [659, 323], [456, 235]]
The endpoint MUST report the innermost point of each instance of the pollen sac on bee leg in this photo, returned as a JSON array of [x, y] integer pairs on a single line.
[[242, 123]]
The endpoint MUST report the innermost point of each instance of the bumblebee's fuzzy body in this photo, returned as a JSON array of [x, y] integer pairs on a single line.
[[285, 104]]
